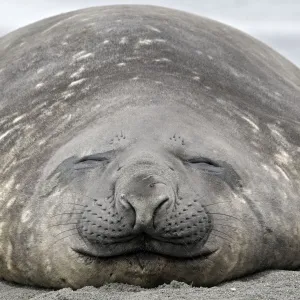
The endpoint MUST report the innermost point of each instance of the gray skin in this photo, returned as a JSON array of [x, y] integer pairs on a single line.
[[143, 145]]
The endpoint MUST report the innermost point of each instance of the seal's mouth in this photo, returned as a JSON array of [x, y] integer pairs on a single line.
[[141, 255], [95, 253]]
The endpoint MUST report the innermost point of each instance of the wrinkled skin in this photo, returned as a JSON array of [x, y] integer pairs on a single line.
[[152, 175]]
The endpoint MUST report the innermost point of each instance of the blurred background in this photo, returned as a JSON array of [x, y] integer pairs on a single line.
[[276, 22]]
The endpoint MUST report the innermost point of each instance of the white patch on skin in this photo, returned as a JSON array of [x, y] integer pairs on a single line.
[[48, 266], [145, 42], [255, 127], [282, 157], [123, 40], [77, 82], [277, 135], [59, 73], [158, 82], [67, 94], [39, 85], [75, 56], [199, 52], [5, 134], [222, 101], [53, 26], [207, 87], [1, 70], [135, 78], [85, 56], [271, 171], [10, 202], [42, 142], [163, 59], [247, 192], [197, 78], [282, 173], [210, 57], [86, 88], [149, 42], [40, 70], [22, 44], [59, 23], [25, 216], [278, 94], [105, 42], [28, 127], [234, 72], [69, 117], [132, 58], [65, 43], [122, 64], [78, 72], [1, 227], [17, 119], [9, 184], [237, 197], [8, 256], [153, 28]]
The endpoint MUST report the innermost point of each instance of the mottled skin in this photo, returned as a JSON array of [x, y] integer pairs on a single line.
[[143, 145]]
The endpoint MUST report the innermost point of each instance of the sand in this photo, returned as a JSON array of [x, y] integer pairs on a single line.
[[267, 285]]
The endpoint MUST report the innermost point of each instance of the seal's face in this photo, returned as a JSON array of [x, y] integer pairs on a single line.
[[148, 192]]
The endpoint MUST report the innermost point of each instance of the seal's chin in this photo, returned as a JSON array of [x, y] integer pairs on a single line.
[[144, 247]]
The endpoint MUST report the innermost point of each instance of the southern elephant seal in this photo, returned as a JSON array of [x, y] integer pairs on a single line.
[[143, 145]]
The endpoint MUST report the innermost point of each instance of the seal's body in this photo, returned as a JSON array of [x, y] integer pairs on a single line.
[[143, 145]]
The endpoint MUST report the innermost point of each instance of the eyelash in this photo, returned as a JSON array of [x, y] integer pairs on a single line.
[[89, 162], [203, 161]]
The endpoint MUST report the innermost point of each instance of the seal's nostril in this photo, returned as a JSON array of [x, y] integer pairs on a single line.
[[163, 198], [124, 201]]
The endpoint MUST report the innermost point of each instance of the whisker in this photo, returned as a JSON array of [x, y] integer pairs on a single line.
[[63, 238], [216, 203], [216, 213], [187, 251], [227, 225], [222, 233], [65, 214], [64, 231], [77, 193], [74, 204], [63, 224], [221, 237]]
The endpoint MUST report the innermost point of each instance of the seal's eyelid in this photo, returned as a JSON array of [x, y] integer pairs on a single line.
[[203, 161], [93, 157], [104, 156]]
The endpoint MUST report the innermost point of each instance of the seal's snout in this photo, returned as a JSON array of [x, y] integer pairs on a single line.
[[145, 212], [145, 196]]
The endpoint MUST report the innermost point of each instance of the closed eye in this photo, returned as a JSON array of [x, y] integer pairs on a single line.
[[206, 165], [92, 157], [203, 161], [91, 161], [221, 169]]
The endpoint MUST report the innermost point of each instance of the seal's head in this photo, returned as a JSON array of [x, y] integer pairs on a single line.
[[148, 205]]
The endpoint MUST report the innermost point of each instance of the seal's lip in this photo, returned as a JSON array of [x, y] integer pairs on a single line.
[[203, 254]]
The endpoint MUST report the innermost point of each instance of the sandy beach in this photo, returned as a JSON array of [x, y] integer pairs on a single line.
[[283, 285]]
